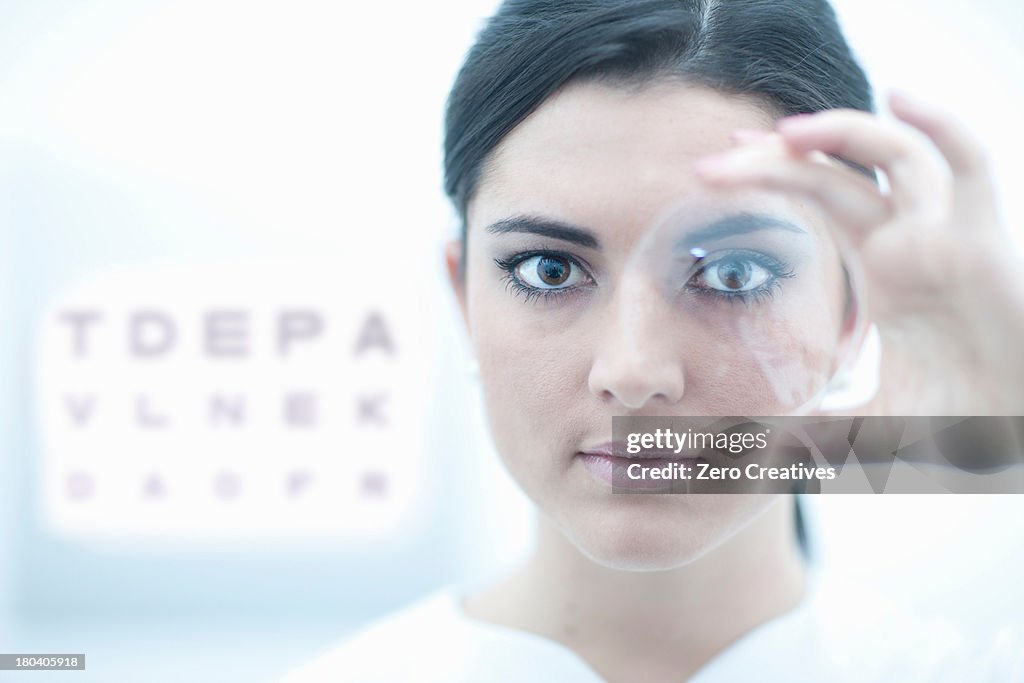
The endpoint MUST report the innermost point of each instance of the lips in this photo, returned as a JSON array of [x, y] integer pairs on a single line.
[[617, 450], [609, 462]]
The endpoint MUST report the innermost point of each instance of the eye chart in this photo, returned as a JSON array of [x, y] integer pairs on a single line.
[[231, 399]]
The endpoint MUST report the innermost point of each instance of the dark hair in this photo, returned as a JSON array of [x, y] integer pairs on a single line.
[[791, 54]]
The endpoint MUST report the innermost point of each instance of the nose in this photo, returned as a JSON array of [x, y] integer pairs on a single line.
[[638, 360]]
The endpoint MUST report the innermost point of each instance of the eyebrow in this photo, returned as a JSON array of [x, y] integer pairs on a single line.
[[546, 228], [738, 224], [728, 226]]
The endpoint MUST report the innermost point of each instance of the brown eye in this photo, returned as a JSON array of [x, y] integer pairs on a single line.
[[549, 272], [553, 271], [733, 275]]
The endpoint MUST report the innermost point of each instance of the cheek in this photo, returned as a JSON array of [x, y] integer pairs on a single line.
[[533, 381]]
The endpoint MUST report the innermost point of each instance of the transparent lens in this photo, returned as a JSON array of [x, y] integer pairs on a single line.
[[760, 301]]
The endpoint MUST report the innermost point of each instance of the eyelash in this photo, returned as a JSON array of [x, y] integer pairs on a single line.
[[520, 288], [778, 269]]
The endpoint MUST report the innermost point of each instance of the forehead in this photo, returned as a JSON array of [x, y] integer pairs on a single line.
[[603, 155]]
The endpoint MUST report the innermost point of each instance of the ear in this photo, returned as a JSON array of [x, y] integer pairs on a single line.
[[456, 275]]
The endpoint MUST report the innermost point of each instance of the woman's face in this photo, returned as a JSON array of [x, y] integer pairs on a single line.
[[602, 278]]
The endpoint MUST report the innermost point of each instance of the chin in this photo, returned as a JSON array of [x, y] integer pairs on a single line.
[[638, 537]]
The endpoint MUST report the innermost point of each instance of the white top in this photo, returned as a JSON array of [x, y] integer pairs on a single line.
[[838, 634]]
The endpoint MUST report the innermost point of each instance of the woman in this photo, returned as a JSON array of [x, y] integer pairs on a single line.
[[576, 132]]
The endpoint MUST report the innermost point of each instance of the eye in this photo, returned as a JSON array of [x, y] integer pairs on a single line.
[[548, 272], [739, 275], [733, 274]]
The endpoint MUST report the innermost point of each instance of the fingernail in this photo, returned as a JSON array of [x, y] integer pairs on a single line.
[[749, 134], [707, 165], [903, 97], [712, 165], [791, 122]]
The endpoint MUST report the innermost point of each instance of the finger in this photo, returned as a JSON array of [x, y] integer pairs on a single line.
[[919, 177], [974, 188], [848, 197], [963, 152]]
